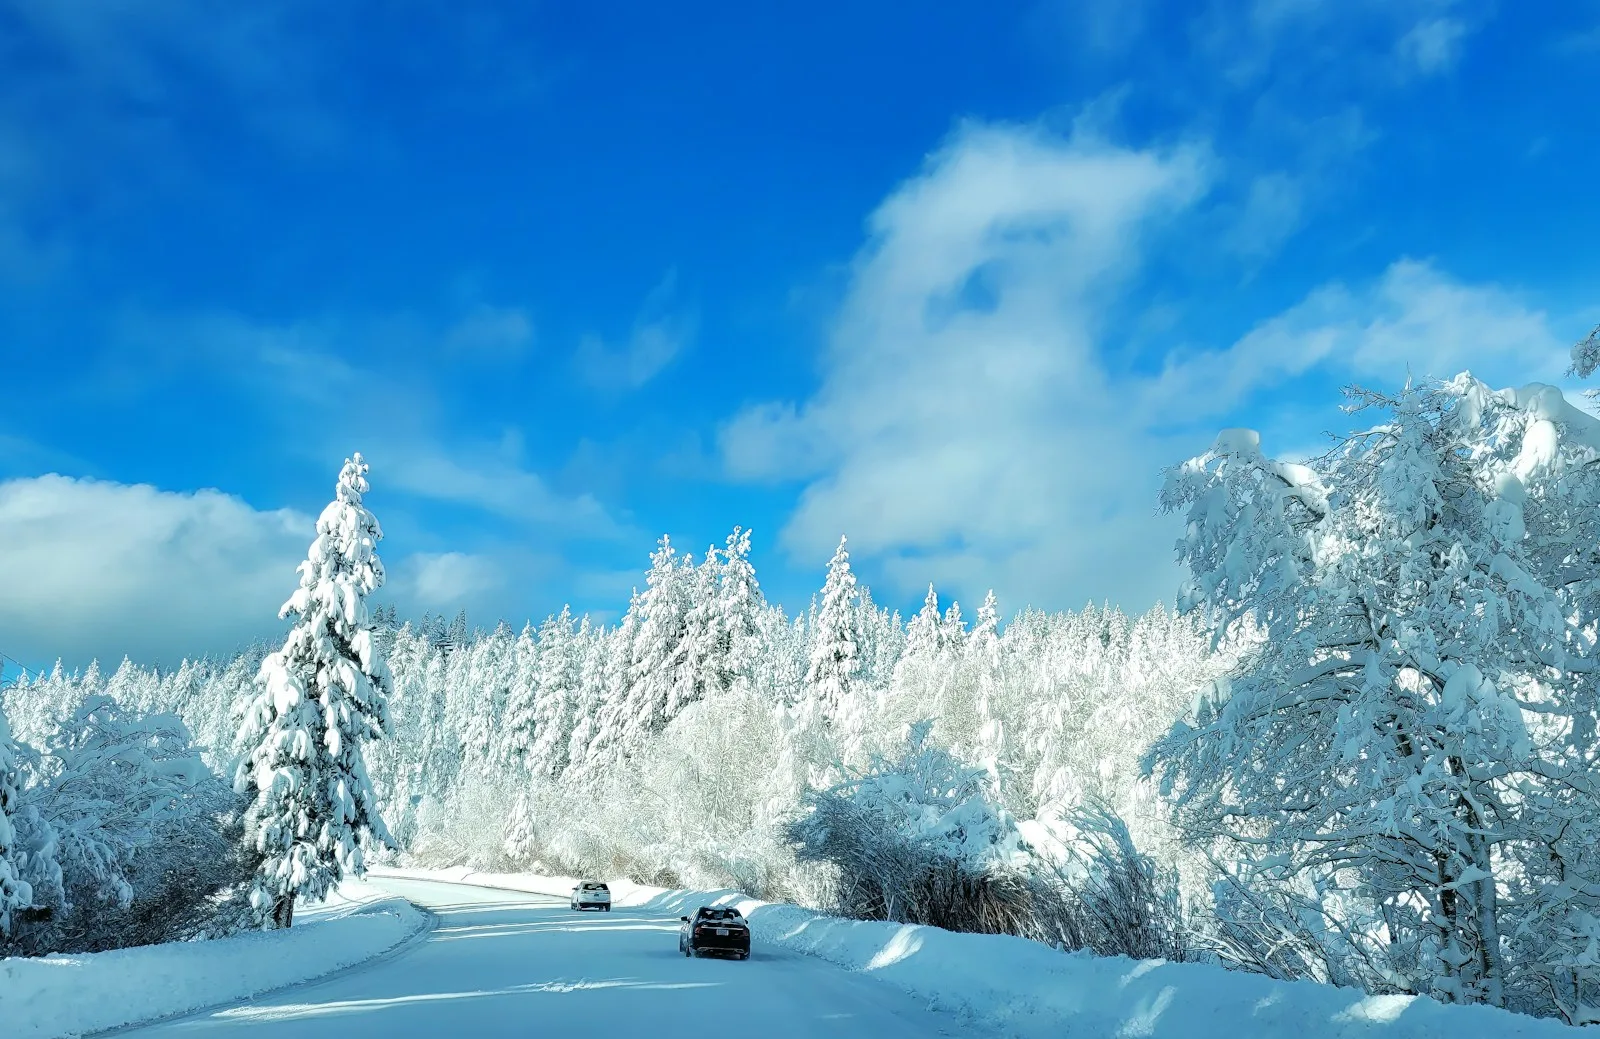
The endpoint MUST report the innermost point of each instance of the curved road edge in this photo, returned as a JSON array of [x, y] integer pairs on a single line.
[[429, 923]]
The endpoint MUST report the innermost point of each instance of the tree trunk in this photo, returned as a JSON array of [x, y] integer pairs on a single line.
[[283, 912], [1488, 920]]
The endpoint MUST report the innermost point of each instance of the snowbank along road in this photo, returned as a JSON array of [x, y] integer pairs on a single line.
[[510, 964]]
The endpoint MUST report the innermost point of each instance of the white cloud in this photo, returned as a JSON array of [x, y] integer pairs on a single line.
[[1337, 43], [661, 331], [437, 581], [1413, 321], [964, 426], [1433, 44], [491, 332], [967, 428], [99, 569], [1273, 211], [482, 477], [402, 427]]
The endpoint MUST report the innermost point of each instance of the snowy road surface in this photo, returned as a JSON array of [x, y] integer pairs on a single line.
[[506, 964]]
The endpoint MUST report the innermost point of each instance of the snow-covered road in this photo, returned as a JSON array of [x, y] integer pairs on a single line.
[[509, 964]]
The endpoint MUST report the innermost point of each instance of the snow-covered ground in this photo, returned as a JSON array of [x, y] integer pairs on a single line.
[[507, 957], [1019, 988], [73, 995], [503, 963]]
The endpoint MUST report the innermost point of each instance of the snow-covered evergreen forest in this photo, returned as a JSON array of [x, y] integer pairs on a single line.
[[1363, 751]]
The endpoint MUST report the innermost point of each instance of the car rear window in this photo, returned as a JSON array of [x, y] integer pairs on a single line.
[[594, 887]]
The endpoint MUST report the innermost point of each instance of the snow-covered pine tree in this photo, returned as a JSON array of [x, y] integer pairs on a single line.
[[655, 646], [15, 893], [835, 641], [912, 693], [922, 633], [316, 701], [982, 665], [984, 639], [739, 603], [617, 683], [519, 840], [519, 731], [952, 629], [699, 661], [591, 649], [557, 680], [484, 670], [456, 635]]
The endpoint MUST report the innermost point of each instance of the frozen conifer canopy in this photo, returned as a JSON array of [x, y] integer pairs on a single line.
[[835, 650], [314, 703]]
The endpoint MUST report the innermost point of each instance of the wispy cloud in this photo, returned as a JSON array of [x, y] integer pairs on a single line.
[[964, 428], [662, 330], [1433, 44], [439, 581], [1305, 40], [968, 427], [494, 333], [1582, 42], [1273, 210], [1413, 321], [395, 415]]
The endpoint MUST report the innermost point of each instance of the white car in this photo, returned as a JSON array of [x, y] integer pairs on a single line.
[[591, 894]]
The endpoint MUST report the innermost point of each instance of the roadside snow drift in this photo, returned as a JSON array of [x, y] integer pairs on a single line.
[[1024, 989], [68, 995]]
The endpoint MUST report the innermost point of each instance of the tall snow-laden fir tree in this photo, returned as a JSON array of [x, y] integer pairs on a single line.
[[982, 665], [1415, 733], [486, 670], [652, 677], [519, 730], [519, 839], [835, 656], [590, 695], [15, 893], [922, 636], [557, 681], [316, 701], [616, 674], [984, 639], [699, 661], [739, 604]]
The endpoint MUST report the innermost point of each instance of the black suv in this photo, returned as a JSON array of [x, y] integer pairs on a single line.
[[714, 929]]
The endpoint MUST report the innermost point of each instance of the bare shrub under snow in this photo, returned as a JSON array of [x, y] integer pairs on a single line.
[[918, 840], [1101, 893]]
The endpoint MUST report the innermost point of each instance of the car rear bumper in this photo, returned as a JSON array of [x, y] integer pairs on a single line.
[[718, 943]]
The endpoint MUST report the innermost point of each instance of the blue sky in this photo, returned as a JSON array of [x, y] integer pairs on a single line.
[[958, 283]]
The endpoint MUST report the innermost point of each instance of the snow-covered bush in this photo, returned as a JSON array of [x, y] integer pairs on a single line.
[[917, 839], [124, 833], [15, 893]]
